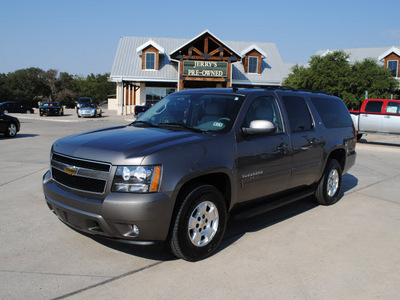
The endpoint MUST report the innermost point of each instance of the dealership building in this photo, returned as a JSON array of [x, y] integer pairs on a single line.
[[145, 70]]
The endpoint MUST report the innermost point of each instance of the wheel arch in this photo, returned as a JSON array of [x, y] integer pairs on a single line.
[[219, 180]]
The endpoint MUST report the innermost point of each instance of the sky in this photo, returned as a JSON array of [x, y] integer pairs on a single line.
[[81, 36]]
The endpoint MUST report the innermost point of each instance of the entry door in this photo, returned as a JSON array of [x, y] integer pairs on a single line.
[[391, 121], [263, 161], [307, 145]]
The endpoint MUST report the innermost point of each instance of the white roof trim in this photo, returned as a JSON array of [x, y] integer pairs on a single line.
[[199, 35], [150, 43], [326, 53], [394, 50], [253, 47]]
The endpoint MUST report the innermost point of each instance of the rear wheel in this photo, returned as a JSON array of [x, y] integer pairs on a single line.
[[11, 130], [328, 189], [200, 224]]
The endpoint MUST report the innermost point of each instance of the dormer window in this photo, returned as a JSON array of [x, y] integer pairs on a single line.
[[393, 66], [253, 64], [150, 61]]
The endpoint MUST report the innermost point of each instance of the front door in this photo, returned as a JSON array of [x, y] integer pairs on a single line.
[[263, 161]]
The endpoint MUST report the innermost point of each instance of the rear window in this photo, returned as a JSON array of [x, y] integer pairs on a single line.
[[374, 106], [333, 112]]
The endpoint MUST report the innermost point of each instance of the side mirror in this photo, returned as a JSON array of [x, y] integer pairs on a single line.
[[259, 127]]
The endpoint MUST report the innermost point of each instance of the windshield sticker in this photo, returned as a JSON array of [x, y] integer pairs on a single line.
[[218, 124]]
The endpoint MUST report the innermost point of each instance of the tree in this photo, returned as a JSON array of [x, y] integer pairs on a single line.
[[334, 74], [95, 86]]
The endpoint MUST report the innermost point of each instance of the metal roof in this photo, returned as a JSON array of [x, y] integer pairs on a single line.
[[127, 64], [359, 54]]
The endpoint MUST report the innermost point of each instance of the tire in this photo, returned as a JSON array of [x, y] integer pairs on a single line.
[[11, 130], [328, 190], [41, 114], [359, 136], [200, 224]]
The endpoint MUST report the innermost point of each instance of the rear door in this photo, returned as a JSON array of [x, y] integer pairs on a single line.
[[307, 143], [391, 120], [372, 118]]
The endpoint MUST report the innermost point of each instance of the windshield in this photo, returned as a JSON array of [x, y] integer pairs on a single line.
[[199, 112], [88, 105]]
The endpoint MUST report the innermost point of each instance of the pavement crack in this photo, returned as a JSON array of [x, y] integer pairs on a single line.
[[109, 280], [54, 274], [27, 175]]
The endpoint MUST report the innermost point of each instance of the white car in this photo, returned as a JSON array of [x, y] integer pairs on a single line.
[[89, 110]]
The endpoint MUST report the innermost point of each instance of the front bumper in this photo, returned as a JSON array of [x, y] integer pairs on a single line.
[[114, 216]]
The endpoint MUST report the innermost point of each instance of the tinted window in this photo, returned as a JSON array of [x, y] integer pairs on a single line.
[[374, 106], [333, 112], [393, 108], [264, 108], [298, 113]]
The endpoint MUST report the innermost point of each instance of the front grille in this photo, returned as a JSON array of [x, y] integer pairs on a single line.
[[82, 163], [78, 182], [87, 176]]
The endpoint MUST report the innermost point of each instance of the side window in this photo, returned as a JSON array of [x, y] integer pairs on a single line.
[[393, 108], [298, 114], [264, 108], [374, 106], [333, 112]]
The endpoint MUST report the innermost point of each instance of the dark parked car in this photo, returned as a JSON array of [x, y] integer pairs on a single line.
[[51, 109], [140, 109], [197, 157], [15, 107], [9, 125], [81, 101]]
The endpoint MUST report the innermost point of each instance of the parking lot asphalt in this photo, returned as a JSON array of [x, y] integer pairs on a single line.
[[350, 250]]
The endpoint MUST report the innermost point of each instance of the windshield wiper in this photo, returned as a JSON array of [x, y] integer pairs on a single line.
[[144, 123], [181, 125]]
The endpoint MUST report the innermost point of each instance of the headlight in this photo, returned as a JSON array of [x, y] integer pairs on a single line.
[[137, 179]]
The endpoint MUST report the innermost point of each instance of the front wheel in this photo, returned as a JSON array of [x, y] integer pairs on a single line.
[[11, 130], [328, 189], [200, 224]]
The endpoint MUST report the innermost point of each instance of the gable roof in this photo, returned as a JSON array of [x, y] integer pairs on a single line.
[[251, 48], [150, 43], [394, 50], [206, 32]]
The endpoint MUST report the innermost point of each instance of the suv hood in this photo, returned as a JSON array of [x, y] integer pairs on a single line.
[[122, 144]]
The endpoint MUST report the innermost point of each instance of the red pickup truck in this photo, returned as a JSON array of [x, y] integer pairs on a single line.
[[377, 116]]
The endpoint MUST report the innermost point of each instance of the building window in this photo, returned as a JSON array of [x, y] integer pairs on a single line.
[[150, 61], [393, 66], [253, 64], [155, 94]]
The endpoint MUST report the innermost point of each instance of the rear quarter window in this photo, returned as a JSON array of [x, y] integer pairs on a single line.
[[333, 112]]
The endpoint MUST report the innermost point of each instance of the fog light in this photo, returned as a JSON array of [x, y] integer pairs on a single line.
[[133, 231]]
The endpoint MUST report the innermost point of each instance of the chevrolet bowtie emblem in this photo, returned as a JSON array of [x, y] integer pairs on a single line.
[[71, 170]]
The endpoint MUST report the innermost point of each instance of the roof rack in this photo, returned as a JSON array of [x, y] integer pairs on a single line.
[[283, 88]]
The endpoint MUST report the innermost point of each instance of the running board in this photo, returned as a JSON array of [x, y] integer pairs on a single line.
[[263, 208]]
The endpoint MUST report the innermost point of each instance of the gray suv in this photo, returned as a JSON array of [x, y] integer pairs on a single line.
[[197, 157]]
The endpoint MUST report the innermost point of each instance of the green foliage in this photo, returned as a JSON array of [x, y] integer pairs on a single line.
[[29, 86], [334, 74]]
